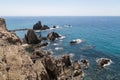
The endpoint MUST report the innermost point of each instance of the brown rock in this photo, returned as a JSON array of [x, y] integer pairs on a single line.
[[52, 36], [31, 37]]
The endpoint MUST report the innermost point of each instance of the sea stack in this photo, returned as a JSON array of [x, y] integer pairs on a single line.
[[31, 37], [37, 26]]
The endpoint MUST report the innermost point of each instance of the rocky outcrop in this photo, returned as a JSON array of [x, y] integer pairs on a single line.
[[7, 36], [31, 38], [66, 60], [103, 62], [15, 63], [2, 24], [37, 26], [44, 27], [53, 35]]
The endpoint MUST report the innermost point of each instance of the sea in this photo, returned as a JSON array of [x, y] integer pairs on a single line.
[[100, 36]]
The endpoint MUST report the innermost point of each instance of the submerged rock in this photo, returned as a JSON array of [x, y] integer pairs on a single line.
[[76, 41], [31, 37], [103, 62], [52, 36]]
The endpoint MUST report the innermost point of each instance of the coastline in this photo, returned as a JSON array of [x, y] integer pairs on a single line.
[[39, 54]]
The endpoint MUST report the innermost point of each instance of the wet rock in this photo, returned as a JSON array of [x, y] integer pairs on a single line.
[[43, 44], [43, 38], [103, 62], [44, 27], [31, 37], [76, 41], [66, 60], [54, 26], [52, 36], [37, 26], [84, 63]]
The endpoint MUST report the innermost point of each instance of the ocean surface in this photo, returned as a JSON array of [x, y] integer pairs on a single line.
[[100, 39]]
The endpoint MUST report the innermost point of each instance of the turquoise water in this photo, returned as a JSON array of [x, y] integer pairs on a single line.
[[101, 36]]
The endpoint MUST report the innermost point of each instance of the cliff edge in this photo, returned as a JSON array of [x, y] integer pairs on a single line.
[[15, 64]]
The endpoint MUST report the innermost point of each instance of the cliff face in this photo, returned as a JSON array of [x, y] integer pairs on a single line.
[[15, 64], [2, 24]]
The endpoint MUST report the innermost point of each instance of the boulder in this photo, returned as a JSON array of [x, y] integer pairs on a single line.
[[52, 36], [31, 37], [37, 26], [44, 27]]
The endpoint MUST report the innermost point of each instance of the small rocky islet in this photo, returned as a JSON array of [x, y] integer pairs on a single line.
[[26, 60]]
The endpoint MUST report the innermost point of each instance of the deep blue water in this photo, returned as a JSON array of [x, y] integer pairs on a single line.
[[101, 36]]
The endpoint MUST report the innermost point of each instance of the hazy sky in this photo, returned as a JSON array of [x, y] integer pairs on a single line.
[[59, 7]]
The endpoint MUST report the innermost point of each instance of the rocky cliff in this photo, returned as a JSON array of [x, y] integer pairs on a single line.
[[15, 63]]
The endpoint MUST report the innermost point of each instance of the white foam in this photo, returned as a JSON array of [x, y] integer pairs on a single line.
[[55, 44], [78, 41], [71, 55], [109, 63], [58, 48], [62, 37]]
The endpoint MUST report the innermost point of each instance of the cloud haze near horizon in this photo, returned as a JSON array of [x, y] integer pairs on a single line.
[[59, 7]]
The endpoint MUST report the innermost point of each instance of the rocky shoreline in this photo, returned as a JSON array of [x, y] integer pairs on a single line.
[[25, 60]]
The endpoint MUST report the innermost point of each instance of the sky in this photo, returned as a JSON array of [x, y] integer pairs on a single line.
[[59, 7]]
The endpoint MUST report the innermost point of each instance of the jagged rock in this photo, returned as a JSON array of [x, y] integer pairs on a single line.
[[52, 36], [15, 63], [66, 60], [7, 36], [51, 68], [2, 24], [31, 37], [102, 62], [37, 26], [44, 27]]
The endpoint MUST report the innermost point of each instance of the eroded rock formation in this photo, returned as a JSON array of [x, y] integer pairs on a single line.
[[52, 36], [15, 64], [31, 37]]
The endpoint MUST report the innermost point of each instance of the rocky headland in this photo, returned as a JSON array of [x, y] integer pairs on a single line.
[[26, 60]]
